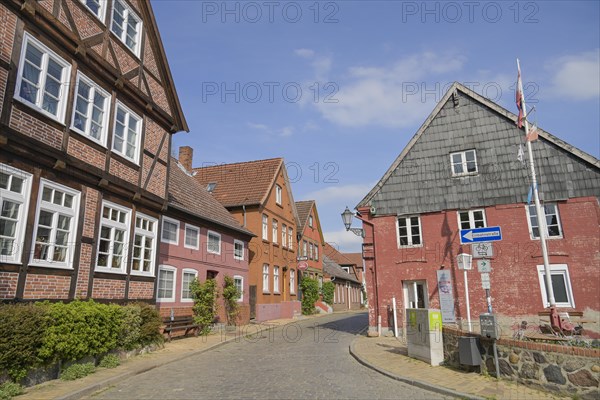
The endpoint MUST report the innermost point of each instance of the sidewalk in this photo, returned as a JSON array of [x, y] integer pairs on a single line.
[[389, 356]]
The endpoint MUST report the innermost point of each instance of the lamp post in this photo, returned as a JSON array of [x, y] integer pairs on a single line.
[[347, 216]]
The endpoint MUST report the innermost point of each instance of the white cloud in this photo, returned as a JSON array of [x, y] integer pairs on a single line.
[[577, 77], [286, 131], [341, 194], [304, 53], [343, 241]]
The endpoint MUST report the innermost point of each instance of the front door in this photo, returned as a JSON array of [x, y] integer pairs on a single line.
[[415, 294], [252, 300]]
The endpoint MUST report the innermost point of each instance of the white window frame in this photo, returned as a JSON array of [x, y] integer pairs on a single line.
[[310, 221], [162, 231], [145, 233], [463, 163], [22, 199], [304, 248], [528, 209], [283, 235], [125, 226], [266, 279], [290, 238], [310, 250], [278, 194], [94, 88], [158, 281], [138, 134], [128, 13], [316, 252], [71, 212], [101, 8], [556, 269], [64, 79], [471, 218], [218, 236], [241, 279], [275, 225], [265, 227], [276, 287], [409, 236], [240, 243], [188, 271], [185, 237], [292, 281]]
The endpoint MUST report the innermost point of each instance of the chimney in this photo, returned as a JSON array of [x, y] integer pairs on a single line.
[[186, 154]]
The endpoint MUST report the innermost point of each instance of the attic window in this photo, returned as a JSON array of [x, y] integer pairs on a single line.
[[464, 163], [211, 187], [310, 221]]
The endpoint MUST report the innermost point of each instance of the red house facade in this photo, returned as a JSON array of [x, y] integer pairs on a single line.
[[460, 171]]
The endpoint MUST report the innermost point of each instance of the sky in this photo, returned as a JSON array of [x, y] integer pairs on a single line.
[[338, 88]]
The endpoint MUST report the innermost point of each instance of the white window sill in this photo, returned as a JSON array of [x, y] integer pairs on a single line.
[[110, 270], [138, 273], [40, 110], [47, 264]]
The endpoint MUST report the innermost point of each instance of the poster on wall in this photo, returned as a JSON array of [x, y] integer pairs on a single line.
[[446, 296]]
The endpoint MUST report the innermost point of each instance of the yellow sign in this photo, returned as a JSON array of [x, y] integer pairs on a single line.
[[412, 318], [435, 321]]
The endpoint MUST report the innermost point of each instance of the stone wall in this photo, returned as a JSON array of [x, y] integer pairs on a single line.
[[573, 371]]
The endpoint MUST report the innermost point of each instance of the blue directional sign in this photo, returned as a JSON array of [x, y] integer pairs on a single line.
[[489, 234]]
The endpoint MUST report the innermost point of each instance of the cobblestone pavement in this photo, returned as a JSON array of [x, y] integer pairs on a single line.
[[299, 360]]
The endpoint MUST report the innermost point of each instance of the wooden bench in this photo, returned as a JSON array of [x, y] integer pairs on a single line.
[[183, 323]]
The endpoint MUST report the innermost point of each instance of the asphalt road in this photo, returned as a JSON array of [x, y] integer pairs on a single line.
[[307, 359]]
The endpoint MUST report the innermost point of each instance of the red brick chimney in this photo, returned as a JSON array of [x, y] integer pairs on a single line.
[[186, 155]]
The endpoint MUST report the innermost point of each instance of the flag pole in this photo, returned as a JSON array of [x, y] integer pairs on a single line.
[[541, 217]]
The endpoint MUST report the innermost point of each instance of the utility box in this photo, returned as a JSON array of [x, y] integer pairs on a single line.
[[468, 351], [489, 327], [424, 335]]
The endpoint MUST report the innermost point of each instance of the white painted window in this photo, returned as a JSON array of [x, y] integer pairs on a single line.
[[310, 221], [112, 243], [170, 231], [463, 163], [265, 227], [166, 283], [213, 244], [97, 7], [55, 226], [275, 231], [290, 238], [90, 112], [42, 80], [553, 227], [310, 251], [409, 231], [126, 25], [276, 279], [187, 278], [278, 194], [144, 245], [304, 248], [127, 133], [471, 219], [238, 281], [316, 252], [238, 249], [192, 237], [292, 281], [283, 235], [15, 188], [561, 284], [265, 280]]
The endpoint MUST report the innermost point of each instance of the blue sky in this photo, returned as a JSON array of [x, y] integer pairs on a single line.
[[338, 88]]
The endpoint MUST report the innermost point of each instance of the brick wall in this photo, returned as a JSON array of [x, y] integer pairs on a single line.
[[123, 171], [86, 24], [8, 285], [141, 290], [82, 151], [108, 289], [85, 261], [46, 287], [35, 128]]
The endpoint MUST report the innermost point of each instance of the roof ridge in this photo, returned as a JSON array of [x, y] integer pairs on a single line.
[[238, 163]]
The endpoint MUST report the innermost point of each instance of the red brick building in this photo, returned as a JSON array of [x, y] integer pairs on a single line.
[[341, 269], [311, 241], [87, 113], [461, 171]]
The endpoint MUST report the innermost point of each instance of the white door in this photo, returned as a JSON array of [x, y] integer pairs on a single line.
[[415, 294]]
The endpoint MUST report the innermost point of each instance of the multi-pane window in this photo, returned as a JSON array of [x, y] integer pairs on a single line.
[[304, 248], [170, 231], [166, 283], [238, 249], [265, 280], [126, 25], [187, 278], [290, 238], [310, 250], [463, 163], [310, 221], [409, 231], [42, 79], [265, 227], [14, 196], [192, 237], [275, 279], [283, 235], [55, 225], [316, 252], [96, 7], [292, 281], [90, 114], [238, 281], [144, 245], [114, 231], [275, 232], [561, 285], [553, 228], [213, 244], [278, 194], [471, 219], [128, 128]]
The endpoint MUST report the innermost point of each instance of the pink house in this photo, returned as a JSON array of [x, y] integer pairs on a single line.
[[198, 239]]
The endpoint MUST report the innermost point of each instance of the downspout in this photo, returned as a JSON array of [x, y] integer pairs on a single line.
[[244, 213], [374, 273]]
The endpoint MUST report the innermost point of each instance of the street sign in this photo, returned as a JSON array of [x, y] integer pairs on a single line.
[[482, 250], [485, 280], [302, 265], [484, 266], [489, 234], [302, 258]]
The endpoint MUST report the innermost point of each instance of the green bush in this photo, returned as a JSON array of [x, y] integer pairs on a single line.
[[77, 371], [8, 390], [328, 289], [205, 303], [110, 361], [130, 330], [22, 331], [231, 294], [150, 325], [310, 294]]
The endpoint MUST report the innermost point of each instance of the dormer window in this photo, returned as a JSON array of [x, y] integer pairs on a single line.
[[464, 163], [211, 187]]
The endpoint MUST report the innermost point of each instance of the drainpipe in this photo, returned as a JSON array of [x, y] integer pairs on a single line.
[[244, 212], [374, 273]]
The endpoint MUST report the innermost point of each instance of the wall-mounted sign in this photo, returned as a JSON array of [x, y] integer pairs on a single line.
[[302, 265]]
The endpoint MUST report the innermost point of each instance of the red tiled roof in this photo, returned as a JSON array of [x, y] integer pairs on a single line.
[[356, 258], [189, 196], [336, 256], [244, 183], [303, 208]]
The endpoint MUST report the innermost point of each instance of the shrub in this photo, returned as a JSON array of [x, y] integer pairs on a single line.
[[231, 294], [77, 371], [205, 303], [22, 331], [310, 294], [110, 361], [327, 290], [150, 325], [130, 330], [8, 390]]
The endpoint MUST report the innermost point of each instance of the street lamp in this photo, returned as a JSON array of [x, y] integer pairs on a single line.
[[347, 216]]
